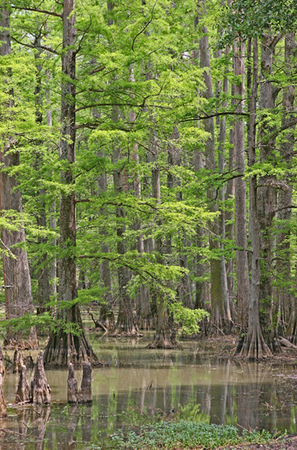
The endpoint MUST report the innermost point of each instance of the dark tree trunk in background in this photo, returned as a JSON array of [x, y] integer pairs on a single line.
[[252, 345], [284, 307], [18, 294], [229, 216], [62, 347], [106, 312], [145, 319], [126, 324], [215, 264], [267, 189], [240, 196], [43, 294], [201, 291], [165, 336], [222, 219]]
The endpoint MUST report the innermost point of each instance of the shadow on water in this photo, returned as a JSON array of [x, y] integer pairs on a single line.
[[142, 386]]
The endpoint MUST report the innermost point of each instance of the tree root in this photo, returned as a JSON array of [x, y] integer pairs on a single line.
[[118, 333], [163, 342], [63, 349], [253, 346]]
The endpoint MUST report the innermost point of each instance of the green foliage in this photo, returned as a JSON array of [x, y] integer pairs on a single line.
[[138, 108], [249, 18], [187, 318], [46, 322], [187, 434]]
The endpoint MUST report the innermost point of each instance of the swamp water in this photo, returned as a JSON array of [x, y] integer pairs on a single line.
[[140, 386]]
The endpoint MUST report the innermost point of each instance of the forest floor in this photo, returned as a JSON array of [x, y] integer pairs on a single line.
[[287, 443]]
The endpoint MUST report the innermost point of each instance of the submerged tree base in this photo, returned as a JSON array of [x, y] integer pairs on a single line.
[[124, 332], [252, 346], [126, 325], [19, 341], [147, 323], [63, 349], [163, 342]]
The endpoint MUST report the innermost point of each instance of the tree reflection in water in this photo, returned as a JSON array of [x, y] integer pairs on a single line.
[[152, 385]]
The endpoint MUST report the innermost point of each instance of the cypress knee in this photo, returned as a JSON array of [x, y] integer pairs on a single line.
[[23, 391], [2, 367], [41, 392], [86, 384], [3, 410], [72, 386]]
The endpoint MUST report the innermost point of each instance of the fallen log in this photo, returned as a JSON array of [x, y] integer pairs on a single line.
[[285, 343]]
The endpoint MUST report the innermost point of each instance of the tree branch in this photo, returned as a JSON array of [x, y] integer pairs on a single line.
[[50, 13], [48, 49], [285, 207], [144, 28], [209, 116]]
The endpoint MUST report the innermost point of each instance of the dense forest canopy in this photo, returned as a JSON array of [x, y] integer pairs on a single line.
[[148, 171]]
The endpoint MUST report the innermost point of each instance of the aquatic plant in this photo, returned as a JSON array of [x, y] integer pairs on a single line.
[[175, 434]]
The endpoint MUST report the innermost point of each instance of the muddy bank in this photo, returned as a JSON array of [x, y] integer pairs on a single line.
[[288, 443]]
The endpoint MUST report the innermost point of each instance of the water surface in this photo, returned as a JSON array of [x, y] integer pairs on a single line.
[[141, 385]]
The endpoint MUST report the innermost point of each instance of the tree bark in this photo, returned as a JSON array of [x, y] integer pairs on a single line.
[[106, 312], [3, 408], [63, 347], [126, 324], [43, 294], [85, 393], [240, 196], [267, 189], [284, 307], [17, 280], [23, 390], [164, 337], [215, 264], [2, 366], [252, 344], [222, 219], [41, 392]]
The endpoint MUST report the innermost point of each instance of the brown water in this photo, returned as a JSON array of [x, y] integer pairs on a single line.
[[140, 385]]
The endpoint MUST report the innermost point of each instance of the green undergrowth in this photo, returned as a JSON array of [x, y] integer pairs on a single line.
[[170, 435]]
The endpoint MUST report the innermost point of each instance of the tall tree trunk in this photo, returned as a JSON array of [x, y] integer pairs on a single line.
[[267, 189], [240, 196], [222, 219], [17, 280], [63, 347], [52, 265], [43, 294], [229, 227], [165, 336], [145, 318], [201, 291], [174, 159], [215, 264], [252, 345], [284, 313], [106, 312], [126, 324]]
